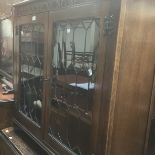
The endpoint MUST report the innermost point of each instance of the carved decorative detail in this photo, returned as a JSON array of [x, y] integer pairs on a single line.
[[109, 25], [66, 3], [47, 5]]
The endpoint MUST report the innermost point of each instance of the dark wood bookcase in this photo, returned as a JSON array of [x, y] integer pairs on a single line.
[[64, 51], [83, 75], [64, 56]]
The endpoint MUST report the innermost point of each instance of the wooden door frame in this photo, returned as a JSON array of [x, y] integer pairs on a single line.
[[41, 18]]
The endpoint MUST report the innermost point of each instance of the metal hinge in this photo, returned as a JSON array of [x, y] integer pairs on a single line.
[[109, 25]]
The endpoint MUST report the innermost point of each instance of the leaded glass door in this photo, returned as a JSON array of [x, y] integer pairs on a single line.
[[31, 35], [74, 54]]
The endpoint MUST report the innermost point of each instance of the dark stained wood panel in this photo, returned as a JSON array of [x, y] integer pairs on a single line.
[[135, 81], [6, 115]]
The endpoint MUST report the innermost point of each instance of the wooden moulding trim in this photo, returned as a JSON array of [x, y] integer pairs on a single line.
[[150, 114], [45, 148], [115, 76], [9, 144], [48, 5]]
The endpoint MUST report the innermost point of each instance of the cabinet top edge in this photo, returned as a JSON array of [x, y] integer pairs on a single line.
[[27, 7]]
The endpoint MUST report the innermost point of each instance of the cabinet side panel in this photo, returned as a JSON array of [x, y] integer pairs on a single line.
[[135, 79]]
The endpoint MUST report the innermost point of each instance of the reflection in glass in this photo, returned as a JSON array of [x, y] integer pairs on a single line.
[[73, 82], [6, 43], [31, 55]]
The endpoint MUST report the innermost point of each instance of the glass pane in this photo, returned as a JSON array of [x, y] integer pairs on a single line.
[[31, 54], [73, 82], [6, 55]]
